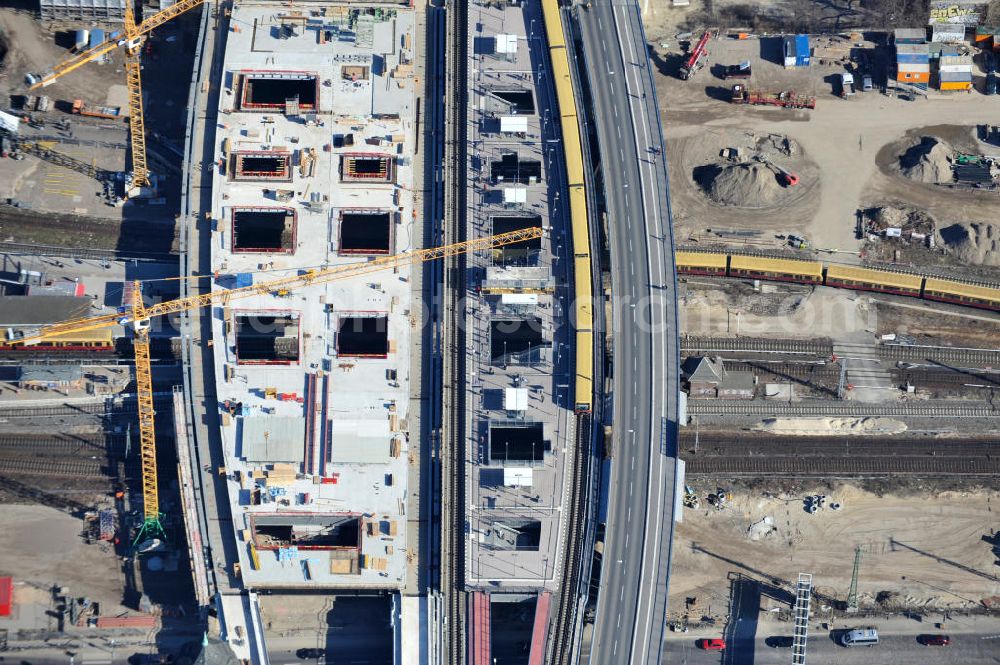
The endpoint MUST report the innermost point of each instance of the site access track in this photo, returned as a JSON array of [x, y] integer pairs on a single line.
[[631, 607]]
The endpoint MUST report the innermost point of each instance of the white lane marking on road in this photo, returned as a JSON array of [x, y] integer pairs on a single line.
[[651, 213]]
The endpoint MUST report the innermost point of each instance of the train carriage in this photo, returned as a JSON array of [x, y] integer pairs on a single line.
[[87, 340], [784, 270], [701, 263], [946, 290], [866, 279]]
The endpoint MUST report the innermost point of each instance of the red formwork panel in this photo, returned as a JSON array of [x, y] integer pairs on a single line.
[[6, 596]]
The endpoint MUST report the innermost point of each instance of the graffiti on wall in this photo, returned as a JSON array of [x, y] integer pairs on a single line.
[[965, 13]]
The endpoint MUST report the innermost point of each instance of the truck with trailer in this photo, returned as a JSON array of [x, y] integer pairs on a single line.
[[741, 94], [109, 112]]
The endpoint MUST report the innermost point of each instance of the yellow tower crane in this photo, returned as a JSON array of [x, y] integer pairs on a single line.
[[137, 315], [131, 40]]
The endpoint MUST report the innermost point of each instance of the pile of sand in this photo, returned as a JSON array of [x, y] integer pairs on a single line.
[[973, 242], [827, 426], [928, 161], [745, 185]]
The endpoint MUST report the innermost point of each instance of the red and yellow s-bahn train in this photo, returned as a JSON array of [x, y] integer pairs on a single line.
[[840, 276], [90, 341]]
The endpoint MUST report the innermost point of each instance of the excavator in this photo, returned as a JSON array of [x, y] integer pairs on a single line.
[[137, 316], [787, 178]]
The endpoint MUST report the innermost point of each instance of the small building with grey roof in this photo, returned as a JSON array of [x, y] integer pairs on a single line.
[[268, 439]]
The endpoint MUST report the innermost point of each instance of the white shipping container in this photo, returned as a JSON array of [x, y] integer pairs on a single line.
[[956, 60], [955, 69], [913, 67]]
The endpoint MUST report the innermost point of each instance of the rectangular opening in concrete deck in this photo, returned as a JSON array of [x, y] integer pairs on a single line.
[[516, 341], [518, 102], [510, 168], [264, 230], [514, 534], [518, 253], [519, 443], [267, 338], [360, 336], [365, 232], [362, 167], [272, 91], [309, 531], [262, 165]]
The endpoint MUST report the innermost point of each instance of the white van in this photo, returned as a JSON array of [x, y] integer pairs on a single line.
[[857, 637]]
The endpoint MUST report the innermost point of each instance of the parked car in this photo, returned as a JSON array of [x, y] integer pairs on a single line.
[[779, 642], [934, 640], [711, 644], [866, 83], [740, 71], [865, 637], [306, 654]]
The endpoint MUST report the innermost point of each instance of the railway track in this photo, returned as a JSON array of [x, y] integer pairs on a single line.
[[452, 583], [69, 410], [789, 465], [961, 357], [827, 375], [12, 445], [46, 467], [707, 345], [82, 253], [832, 409], [728, 454], [563, 630]]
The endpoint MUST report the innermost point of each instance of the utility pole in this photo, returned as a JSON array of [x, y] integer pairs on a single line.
[[852, 593]]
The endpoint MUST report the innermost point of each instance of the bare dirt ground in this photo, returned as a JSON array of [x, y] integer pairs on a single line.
[[936, 327], [713, 308], [926, 549], [854, 145], [48, 550]]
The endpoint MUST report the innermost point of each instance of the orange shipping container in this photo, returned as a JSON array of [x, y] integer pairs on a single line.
[[956, 85], [913, 77]]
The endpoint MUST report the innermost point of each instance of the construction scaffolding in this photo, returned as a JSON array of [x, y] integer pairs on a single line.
[[803, 594], [101, 11]]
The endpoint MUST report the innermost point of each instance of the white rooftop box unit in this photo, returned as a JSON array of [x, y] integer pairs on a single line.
[[513, 124], [519, 298], [515, 195], [517, 477], [515, 399], [506, 44]]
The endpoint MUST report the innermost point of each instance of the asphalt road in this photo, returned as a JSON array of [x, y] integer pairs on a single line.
[[892, 649], [632, 603]]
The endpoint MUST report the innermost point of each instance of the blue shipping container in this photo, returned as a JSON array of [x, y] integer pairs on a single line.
[[244, 279], [82, 39], [96, 37], [913, 58], [802, 50]]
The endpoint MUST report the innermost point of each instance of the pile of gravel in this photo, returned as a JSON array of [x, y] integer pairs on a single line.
[[973, 243], [929, 161], [750, 185]]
